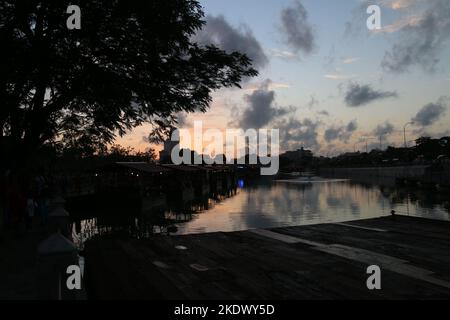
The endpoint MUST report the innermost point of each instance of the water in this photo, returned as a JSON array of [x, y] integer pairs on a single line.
[[272, 204], [312, 201]]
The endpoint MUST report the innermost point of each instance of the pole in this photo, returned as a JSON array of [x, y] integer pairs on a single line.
[[404, 133], [367, 143]]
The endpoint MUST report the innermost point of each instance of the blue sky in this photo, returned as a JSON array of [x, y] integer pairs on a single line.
[[312, 83]]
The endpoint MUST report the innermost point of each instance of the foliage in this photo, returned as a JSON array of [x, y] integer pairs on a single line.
[[133, 61]]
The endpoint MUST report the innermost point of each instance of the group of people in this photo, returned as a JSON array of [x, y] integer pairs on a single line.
[[24, 202]]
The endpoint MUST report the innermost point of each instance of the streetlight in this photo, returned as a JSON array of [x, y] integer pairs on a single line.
[[404, 133], [367, 142]]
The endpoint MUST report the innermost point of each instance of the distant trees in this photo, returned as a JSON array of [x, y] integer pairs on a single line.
[[430, 149], [298, 160], [118, 153], [426, 149], [133, 61], [72, 160]]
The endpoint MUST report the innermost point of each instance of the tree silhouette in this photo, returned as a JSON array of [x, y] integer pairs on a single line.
[[133, 61], [430, 148]]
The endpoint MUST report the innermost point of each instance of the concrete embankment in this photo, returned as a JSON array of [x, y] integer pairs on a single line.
[[310, 262]]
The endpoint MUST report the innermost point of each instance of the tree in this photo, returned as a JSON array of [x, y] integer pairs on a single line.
[[429, 148], [133, 61]]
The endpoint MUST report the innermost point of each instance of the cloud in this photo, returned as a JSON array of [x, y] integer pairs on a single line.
[[423, 39], [262, 109], [219, 32], [342, 133], [384, 129], [338, 76], [270, 85], [298, 32], [398, 4], [312, 102], [330, 58], [409, 21], [332, 134], [283, 54], [295, 134], [431, 113], [324, 113], [352, 126], [349, 60], [356, 26], [360, 95]]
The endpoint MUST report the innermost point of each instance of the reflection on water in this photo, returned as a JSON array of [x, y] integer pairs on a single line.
[[272, 204], [303, 202]]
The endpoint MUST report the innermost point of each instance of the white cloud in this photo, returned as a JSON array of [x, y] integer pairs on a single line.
[[398, 4], [339, 76], [270, 85], [409, 21], [283, 54], [349, 60]]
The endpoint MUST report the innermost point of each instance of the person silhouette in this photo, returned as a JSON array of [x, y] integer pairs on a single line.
[[393, 214]]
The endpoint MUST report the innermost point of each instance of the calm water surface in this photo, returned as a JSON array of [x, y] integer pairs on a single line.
[[272, 204], [315, 201]]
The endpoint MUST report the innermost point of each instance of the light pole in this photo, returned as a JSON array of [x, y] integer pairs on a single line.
[[404, 133], [367, 143]]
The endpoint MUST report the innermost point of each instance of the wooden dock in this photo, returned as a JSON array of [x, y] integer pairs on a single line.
[[311, 262]]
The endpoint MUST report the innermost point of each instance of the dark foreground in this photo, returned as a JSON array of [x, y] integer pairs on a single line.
[[312, 262]]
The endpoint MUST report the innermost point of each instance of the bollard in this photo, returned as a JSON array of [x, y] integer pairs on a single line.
[[59, 218], [59, 221], [55, 255], [393, 214]]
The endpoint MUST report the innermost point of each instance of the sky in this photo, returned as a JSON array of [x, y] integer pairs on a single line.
[[326, 81]]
